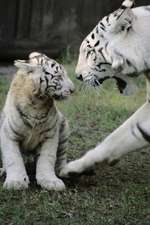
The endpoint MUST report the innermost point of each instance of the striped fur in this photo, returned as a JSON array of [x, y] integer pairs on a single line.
[[119, 47], [109, 52], [32, 125]]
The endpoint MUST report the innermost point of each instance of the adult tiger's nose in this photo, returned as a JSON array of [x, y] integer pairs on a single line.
[[79, 77], [72, 90]]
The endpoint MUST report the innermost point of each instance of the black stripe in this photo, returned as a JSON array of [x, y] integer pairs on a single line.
[[97, 43], [102, 25], [49, 129], [41, 81], [48, 137], [102, 28], [88, 53], [89, 46], [96, 29], [101, 64], [61, 142], [53, 64], [46, 79], [146, 65], [93, 36], [145, 135], [100, 51], [24, 117], [130, 64], [118, 17], [107, 19]]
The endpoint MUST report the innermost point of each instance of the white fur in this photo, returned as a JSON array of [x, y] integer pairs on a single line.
[[120, 42], [128, 3], [134, 134], [120, 142], [29, 124]]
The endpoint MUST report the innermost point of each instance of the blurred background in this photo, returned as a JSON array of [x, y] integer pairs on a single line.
[[52, 26]]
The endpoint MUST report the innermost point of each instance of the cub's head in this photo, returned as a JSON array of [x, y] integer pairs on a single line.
[[49, 77], [93, 66]]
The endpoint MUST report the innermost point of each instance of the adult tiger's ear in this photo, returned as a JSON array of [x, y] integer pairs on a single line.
[[34, 54], [24, 65], [128, 4], [124, 18]]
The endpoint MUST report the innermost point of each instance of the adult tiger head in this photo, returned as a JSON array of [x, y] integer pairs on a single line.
[[49, 77], [93, 66]]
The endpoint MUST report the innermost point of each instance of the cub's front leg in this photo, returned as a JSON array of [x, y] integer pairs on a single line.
[[45, 169], [16, 176], [64, 133]]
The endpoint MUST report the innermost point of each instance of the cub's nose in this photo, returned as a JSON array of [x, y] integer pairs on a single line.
[[79, 77]]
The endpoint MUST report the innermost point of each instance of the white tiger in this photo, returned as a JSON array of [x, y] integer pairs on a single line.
[[119, 47], [93, 66], [31, 123]]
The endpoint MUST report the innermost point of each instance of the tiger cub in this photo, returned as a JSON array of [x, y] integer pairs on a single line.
[[31, 123]]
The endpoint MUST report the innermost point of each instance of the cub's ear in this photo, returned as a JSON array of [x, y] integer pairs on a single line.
[[24, 65]]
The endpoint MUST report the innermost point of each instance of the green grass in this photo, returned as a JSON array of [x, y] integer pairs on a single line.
[[118, 195]]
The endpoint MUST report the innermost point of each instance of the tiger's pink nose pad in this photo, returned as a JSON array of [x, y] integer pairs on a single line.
[[79, 77]]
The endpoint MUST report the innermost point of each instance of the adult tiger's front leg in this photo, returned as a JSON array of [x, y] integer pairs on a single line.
[[132, 135]]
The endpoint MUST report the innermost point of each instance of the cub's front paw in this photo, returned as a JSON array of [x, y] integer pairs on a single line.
[[51, 183], [16, 183]]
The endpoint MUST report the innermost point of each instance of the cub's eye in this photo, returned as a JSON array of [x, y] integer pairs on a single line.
[[59, 77], [30, 71]]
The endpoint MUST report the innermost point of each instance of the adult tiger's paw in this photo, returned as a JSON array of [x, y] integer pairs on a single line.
[[72, 168]]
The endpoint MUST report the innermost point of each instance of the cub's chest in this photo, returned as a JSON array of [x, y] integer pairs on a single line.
[[36, 136]]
